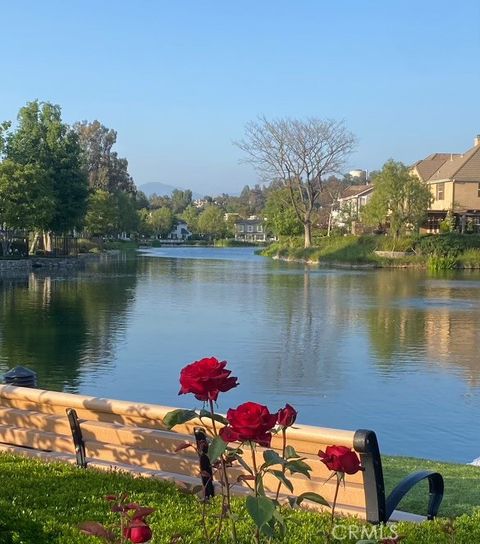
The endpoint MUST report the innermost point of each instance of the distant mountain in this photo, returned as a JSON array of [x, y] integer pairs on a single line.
[[161, 189]]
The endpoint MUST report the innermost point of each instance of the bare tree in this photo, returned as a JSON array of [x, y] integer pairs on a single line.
[[298, 154]]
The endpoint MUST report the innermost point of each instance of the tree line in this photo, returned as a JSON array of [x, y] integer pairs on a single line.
[[57, 179]]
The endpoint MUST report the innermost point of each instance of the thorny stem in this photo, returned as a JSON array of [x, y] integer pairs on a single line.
[[284, 449], [332, 517], [226, 499], [335, 498], [256, 475]]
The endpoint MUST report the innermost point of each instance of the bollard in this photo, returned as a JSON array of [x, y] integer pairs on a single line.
[[21, 376]]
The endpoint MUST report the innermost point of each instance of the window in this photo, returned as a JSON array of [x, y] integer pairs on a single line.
[[259, 228], [240, 228], [440, 191], [250, 228]]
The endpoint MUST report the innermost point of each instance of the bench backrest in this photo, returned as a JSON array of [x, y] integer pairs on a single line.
[[132, 436]]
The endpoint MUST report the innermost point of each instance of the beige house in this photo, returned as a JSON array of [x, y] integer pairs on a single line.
[[454, 181]]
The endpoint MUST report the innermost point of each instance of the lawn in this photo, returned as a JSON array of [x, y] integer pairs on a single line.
[[43, 503]]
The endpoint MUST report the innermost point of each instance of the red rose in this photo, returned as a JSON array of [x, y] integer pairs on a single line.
[[286, 416], [137, 532], [206, 379], [250, 421], [340, 459]]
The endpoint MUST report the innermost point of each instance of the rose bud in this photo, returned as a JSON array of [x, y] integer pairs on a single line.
[[286, 416]]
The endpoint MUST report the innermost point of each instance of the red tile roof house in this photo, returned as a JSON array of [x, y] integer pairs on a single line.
[[454, 181]]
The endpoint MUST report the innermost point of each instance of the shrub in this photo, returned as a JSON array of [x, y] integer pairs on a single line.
[[439, 262], [88, 246], [446, 244]]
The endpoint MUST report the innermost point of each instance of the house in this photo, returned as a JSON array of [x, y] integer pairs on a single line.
[[454, 181], [250, 230], [354, 198], [179, 232], [350, 203]]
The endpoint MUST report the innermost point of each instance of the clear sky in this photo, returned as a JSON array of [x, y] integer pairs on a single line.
[[179, 79]]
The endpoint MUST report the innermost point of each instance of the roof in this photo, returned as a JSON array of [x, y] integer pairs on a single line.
[[355, 190], [428, 166], [464, 167], [249, 221]]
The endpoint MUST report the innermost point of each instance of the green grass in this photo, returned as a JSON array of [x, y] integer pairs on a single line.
[[120, 244], [462, 485], [435, 252], [43, 503]]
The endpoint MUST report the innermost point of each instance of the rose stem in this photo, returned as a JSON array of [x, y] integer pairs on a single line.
[[284, 449], [226, 486], [255, 472]]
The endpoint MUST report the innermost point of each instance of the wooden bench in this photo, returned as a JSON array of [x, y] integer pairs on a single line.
[[131, 436]]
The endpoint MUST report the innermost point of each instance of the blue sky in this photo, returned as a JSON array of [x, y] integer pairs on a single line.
[[179, 80]]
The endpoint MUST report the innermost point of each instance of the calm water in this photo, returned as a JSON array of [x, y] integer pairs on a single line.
[[395, 351]]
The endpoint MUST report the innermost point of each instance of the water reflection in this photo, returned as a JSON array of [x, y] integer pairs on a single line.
[[63, 326]]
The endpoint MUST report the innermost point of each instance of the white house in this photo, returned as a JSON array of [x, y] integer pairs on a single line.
[[179, 232]]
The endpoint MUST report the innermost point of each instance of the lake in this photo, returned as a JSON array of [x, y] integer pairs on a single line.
[[395, 351]]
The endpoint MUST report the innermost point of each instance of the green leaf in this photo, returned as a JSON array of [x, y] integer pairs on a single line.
[[240, 459], [216, 417], [285, 481], [298, 466], [271, 457], [290, 452], [177, 417], [268, 529], [280, 522], [314, 497], [216, 448], [260, 487], [260, 509]]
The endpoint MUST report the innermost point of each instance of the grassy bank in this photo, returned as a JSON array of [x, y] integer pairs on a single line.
[[44, 502], [436, 252]]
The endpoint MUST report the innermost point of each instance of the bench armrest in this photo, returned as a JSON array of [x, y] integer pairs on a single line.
[[435, 484]]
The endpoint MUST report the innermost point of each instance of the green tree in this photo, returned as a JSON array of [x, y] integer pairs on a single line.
[[190, 216], [280, 214], [128, 219], [104, 168], [141, 200], [399, 197], [102, 215], [26, 199], [144, 225], [181, 200], [161, 221], [157, 201], [211, 222], [42, 140]]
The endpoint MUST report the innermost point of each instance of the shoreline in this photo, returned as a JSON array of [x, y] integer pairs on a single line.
[[364, 266], [33, 264]]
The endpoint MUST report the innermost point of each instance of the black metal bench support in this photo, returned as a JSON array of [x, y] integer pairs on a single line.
[[206, 472], [379, 509], [435, 485], [77, 438]]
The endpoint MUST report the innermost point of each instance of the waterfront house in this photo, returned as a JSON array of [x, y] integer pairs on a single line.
[[179, 232], [354, 198], [350, 203], [250, 230], [454, 181]]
